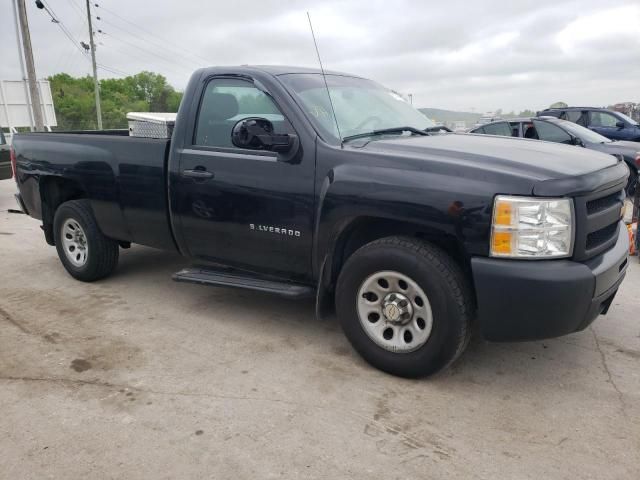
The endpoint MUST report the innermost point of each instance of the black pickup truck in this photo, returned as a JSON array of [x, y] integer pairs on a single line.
[[412, 236]]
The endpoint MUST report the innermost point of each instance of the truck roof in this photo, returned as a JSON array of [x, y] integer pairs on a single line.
[[275, 70]]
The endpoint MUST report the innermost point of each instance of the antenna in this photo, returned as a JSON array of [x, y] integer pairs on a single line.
[[324, 77]]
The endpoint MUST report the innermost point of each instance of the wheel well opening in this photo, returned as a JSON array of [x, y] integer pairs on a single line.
[[366, 230], [54, 191]]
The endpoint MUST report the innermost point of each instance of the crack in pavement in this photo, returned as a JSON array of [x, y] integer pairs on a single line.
[[7, 316], [603, 358]]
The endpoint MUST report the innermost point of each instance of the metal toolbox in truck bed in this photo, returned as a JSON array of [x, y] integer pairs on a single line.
[[151, 124]]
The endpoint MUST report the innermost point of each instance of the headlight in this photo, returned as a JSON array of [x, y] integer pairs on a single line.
[[527, 227]]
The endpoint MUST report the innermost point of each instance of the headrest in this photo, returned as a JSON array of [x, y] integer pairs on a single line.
[[221, 106]]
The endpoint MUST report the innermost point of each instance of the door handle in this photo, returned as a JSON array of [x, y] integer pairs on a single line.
[[199, 173]]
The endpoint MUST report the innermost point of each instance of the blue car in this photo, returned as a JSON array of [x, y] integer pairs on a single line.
[[610, 124]]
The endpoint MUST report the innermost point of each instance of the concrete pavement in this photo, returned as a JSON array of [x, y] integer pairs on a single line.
[[140, 377]]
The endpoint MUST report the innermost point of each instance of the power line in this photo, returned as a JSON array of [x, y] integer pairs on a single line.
[[77, 9], [63, 28], [143, 62], [131, 44], [56, 20], [113, 70], [172, 60], [164, 42]]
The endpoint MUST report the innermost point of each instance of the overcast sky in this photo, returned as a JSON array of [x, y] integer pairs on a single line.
[[454, 54]]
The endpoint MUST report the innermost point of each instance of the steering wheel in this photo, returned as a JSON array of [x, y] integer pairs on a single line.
[[372, 118]]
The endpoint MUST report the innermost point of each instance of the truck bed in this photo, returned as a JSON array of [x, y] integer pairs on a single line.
[[124, 177]]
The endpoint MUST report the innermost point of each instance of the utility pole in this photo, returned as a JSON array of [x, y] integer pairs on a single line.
[[96, 85], [22, 67], [34, 91]]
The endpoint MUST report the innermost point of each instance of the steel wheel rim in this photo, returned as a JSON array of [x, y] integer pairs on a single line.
[[74, 243], [401, 328]]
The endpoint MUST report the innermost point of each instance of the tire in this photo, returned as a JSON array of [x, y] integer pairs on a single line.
[[82, 248], [448, 300]]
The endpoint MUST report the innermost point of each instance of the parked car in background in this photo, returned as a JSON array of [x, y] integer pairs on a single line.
[[487, 118], [608, 123], [552, 129], [5, 161]]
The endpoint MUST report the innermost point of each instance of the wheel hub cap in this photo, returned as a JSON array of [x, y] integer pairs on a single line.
[[394, 311], [74, 243], [397, 308]]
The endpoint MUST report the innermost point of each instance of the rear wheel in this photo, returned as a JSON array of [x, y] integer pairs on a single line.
[[82, 248], [405, 306]]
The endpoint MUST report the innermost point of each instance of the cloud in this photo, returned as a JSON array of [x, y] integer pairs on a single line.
[[458, 54]]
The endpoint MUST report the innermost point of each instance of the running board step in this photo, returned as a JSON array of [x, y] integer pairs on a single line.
[[234, 279]]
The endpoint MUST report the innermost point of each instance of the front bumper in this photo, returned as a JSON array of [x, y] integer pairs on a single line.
[[536, 299]]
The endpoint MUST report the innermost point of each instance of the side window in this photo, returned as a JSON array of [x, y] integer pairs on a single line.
[[501, 128], [2, 139], [227, 101], [479, 130], [572, 115], [602, 119], [551, 133]]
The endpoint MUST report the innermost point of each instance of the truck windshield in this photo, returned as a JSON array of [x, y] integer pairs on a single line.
[[361, 106]]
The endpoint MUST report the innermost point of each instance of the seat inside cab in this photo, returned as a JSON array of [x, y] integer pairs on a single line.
[[529, 131]]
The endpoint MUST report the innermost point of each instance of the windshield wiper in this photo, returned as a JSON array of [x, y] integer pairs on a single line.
[[383, 131]]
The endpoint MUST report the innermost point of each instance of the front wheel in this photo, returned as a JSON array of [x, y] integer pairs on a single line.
[[405, 306], [82, 248]]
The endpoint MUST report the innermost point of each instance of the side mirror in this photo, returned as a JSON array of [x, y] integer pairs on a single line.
[[577, 141], [256, 133], [620, 124]]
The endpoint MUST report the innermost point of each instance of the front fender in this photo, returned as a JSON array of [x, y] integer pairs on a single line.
[[436, 204]]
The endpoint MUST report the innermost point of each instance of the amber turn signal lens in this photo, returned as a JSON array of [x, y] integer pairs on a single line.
[[502, 214], [501, 242]]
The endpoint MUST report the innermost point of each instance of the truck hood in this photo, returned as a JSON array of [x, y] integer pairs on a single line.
[[533, 159]]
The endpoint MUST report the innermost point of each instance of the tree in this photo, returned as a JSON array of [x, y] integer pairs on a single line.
[[75, 104]]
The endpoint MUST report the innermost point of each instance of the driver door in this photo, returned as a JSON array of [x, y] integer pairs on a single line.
[[250, 209]]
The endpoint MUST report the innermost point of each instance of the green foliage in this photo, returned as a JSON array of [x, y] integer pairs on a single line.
[[558, 105], [75, 103]]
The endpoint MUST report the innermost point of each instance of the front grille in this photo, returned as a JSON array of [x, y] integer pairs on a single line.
[[597, 238], [600, 204], [597, 222]]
